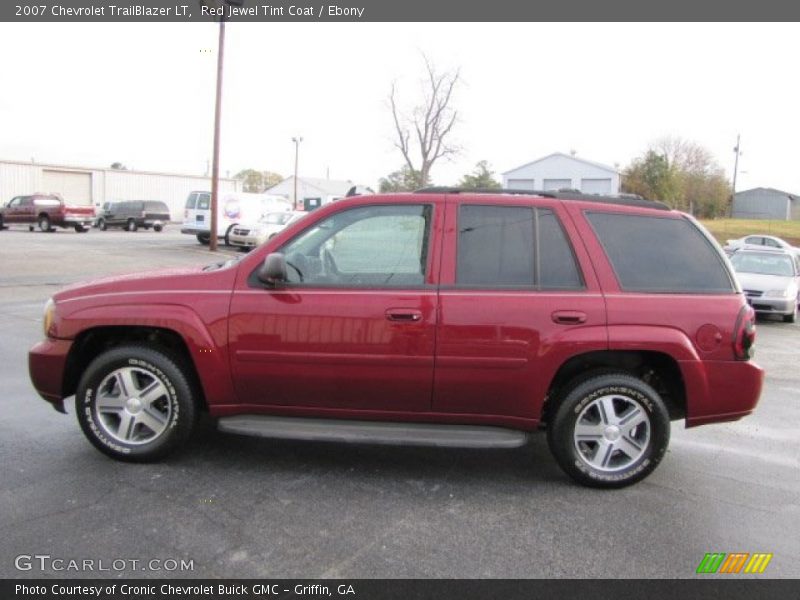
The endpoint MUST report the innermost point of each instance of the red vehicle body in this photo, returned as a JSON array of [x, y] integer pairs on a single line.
[[437, 353], [46, 211]]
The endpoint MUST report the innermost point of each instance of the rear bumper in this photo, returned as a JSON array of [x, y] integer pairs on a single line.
[[46, 364], [83, 222], [719, 391]]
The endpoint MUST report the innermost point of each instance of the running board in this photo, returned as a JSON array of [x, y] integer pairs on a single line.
[[376, 432]]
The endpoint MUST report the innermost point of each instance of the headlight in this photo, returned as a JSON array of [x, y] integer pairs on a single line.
[[49, 316], [776, 294]]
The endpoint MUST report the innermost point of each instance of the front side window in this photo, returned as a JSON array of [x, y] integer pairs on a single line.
[[374, 246], [514, 246], [660, 254]]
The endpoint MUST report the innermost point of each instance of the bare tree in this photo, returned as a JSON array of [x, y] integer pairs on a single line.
[[425, 130]]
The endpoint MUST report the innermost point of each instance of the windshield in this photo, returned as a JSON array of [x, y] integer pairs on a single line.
[[276, 218], [763, 264]]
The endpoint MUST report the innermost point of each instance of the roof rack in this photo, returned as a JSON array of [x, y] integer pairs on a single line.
[[622, 199]]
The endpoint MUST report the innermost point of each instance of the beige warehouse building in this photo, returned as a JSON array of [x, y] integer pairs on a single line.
[[95, 186]]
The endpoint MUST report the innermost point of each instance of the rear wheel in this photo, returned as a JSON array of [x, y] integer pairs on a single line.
[[132, 225], [44, 223], [157, 228], [135, 403], [80, 229], [204, 238], [609, 431]]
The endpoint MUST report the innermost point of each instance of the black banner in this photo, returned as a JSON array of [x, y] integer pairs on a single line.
[[153, 11], [731, 588]]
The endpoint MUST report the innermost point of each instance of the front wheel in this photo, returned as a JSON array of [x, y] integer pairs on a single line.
[[204, 238], [132, 225], [609, 431], [135, 403], [102, 225]]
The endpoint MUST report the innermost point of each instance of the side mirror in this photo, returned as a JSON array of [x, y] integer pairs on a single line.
[[273, 271]]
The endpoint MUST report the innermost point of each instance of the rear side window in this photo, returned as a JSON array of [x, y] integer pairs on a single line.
[[657, 254], [155, 207], [514, 246]]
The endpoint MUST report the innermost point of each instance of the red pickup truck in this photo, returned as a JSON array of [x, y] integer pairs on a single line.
[[46, 211], [440, 317]]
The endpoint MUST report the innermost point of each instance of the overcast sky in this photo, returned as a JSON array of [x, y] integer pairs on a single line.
[[140, 94]]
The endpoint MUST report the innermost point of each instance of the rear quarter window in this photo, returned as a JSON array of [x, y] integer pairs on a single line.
[[660, 254]]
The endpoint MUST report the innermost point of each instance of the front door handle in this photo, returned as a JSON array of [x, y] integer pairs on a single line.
[[404, 315], [569, 317]]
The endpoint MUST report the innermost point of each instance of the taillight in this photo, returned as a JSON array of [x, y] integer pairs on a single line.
[[744, 334]]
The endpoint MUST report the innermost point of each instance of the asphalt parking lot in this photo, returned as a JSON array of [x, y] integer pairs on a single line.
[[244, 507]]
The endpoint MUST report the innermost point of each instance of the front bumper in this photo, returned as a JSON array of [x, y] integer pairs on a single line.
[[46, 365], [783, 306]]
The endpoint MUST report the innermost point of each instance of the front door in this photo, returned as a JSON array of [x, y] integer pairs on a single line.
[[354, 327]]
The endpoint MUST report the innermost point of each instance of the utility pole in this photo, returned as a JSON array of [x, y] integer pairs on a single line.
[[296, 141], [735, 170], [212, 241]]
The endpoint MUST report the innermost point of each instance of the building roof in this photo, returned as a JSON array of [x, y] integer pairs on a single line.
[[123, 171], [769, 189], [329, 187], [561, 154]]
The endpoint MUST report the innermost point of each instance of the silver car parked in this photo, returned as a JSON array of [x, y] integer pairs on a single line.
[[770, 279]]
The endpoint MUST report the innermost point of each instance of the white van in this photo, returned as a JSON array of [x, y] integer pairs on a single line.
[[232, 208]]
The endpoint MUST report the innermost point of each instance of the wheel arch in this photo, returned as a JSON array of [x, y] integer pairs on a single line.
[[90, 343], [658, 369]]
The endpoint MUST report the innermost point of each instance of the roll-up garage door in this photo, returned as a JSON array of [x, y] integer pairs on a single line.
[[596, 186], [557, 184], [74, 186], [520, 184]]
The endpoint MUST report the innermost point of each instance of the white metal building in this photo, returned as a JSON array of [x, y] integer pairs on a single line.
[[562, 171], [89, 185], [311, 188]]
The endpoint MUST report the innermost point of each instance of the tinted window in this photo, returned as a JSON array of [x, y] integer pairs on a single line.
[[203, 201], [370, 246], [557, 266], [191, 201], [657, 254], [511, 246], [156, 207]]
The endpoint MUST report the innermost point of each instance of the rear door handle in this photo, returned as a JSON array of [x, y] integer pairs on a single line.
[[404, 315], [569, 317]]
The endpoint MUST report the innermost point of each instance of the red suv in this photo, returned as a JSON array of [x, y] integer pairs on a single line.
[[440, 317]]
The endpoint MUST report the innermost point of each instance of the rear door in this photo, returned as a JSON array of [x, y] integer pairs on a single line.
[[517, 299]]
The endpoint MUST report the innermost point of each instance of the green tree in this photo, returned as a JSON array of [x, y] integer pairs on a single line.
[[402, 180], [118, 166], [681, 173], [481, 178], [257, 181]]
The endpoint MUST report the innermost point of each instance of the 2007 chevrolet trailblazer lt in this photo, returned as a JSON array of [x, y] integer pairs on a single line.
[[440, 317]]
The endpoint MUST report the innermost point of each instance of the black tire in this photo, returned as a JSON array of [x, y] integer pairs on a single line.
[[31, 228], [228, 233], [578, 402], [131, 226], [1, 223], [790, 318], [44, 223], [80, 229], [204, 238], [158, 228], [102, 225], [177, 408]]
